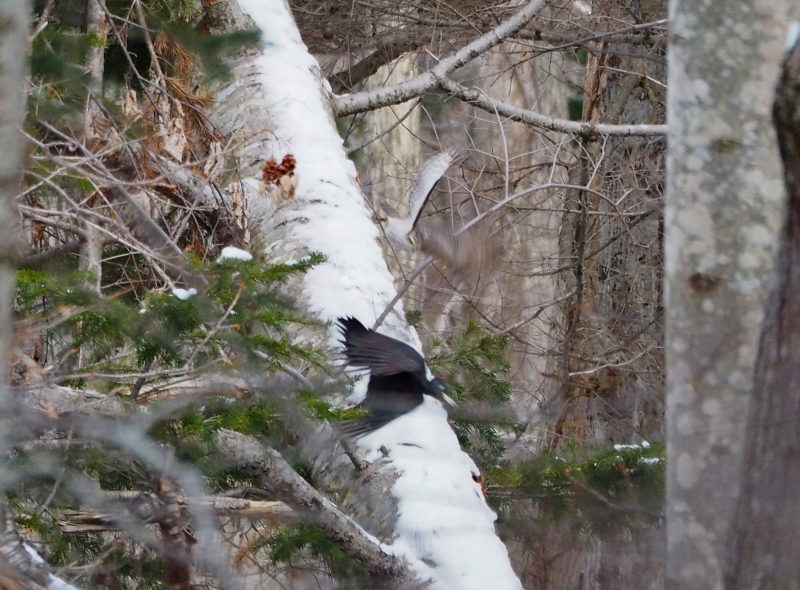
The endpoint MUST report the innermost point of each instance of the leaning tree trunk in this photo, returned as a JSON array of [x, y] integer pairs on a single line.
[[276, 101], [724, 200], [765, 544]]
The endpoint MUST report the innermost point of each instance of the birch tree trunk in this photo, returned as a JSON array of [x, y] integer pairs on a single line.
[[724, 200]]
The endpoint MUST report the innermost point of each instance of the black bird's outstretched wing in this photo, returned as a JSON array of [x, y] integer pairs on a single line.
[[380, 354], [397, 379]]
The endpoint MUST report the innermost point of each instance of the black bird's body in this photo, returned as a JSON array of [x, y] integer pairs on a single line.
[[398, 379]]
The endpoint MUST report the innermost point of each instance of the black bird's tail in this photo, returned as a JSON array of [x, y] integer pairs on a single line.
[[355, 339]]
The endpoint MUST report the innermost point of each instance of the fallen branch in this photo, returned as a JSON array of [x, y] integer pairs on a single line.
[[274, 474], [90, 520]]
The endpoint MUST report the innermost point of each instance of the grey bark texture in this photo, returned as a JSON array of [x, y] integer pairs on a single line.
[[765, 544], [723, 209], [13, 68]]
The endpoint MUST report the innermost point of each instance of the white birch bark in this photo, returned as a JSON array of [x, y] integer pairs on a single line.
[[724, 202]]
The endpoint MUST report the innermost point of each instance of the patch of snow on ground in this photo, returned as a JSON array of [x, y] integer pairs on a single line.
[[650, 460], [642, 445]]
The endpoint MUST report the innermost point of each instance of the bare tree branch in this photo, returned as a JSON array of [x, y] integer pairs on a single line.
[[85, 520], [438, 78], [350, 104]]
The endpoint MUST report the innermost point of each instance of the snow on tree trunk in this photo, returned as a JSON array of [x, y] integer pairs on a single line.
[[278, 104], [724, 201]]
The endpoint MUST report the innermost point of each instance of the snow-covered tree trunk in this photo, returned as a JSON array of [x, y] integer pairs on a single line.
[[724, 201], [428, 506]]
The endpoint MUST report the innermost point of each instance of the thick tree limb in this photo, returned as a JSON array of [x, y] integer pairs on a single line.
[[275, 475], [350, 104], [479, 99], [389, 49]]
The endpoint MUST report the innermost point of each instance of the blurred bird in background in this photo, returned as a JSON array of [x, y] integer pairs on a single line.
[[464, 253], [399, 229]]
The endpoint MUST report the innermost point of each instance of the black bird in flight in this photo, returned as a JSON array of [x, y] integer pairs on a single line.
[[397, 379]]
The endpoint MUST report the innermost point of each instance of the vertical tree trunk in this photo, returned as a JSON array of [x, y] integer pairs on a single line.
[[766, 544], [17, 569], [724, 197], [91, 255], [13, 67]]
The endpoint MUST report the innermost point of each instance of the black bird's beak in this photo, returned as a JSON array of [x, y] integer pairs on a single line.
[[442, 392]]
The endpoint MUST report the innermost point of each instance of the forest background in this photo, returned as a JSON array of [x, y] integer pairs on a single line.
[[613, 309]]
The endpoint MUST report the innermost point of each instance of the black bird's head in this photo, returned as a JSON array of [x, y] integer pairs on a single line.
[[440, 390]]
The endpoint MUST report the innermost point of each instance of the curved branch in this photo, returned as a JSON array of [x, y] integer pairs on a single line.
[[438, 78], [350, 104], [480, 100], [275, 475]]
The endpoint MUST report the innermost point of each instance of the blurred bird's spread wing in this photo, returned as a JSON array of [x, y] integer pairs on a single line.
[[428, 176], [436, 240], [464, 254], [381, 354]]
